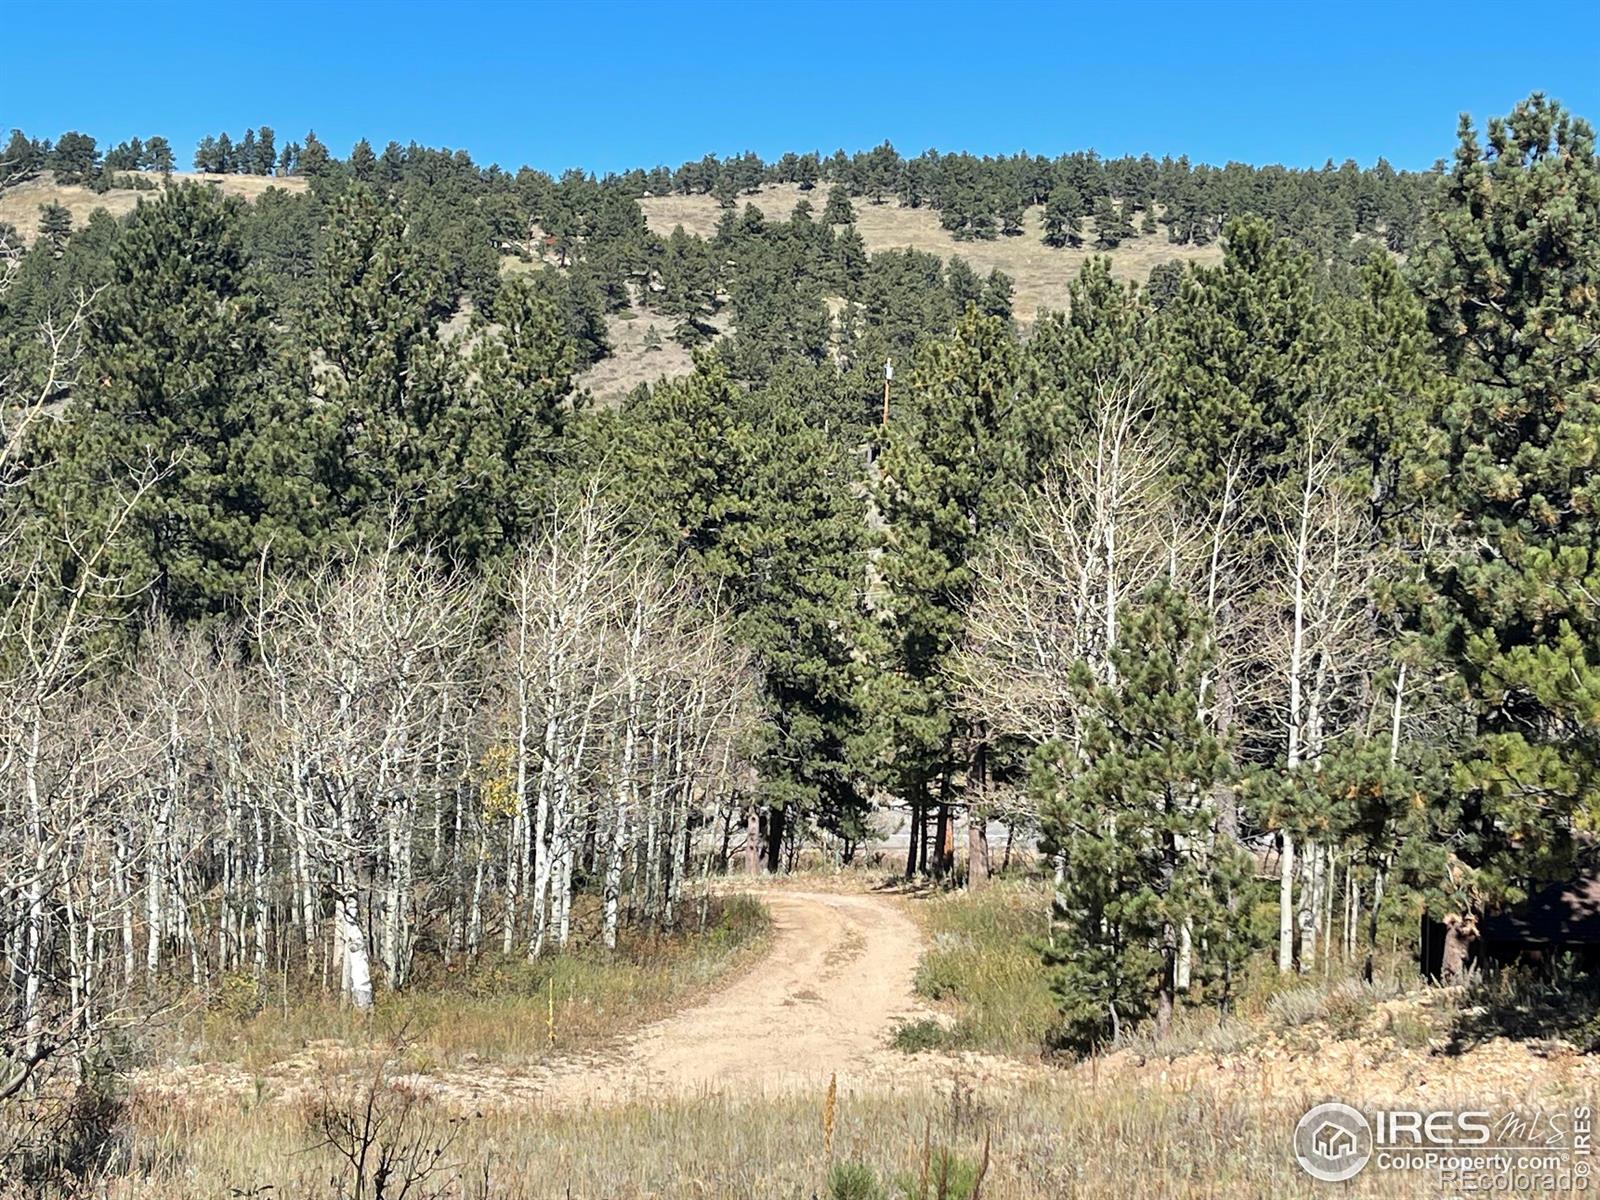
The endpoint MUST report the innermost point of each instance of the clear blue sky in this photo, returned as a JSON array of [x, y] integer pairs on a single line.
[[611, 85]]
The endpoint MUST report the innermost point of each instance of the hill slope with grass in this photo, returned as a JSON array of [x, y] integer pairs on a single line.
[[21, 203], [1041, 273]]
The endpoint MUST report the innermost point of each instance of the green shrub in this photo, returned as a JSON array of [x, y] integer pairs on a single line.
[[239, 996], [853, 1181], [916, 1036], [950, 1177]]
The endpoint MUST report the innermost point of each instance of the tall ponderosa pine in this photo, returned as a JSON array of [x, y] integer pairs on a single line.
[[506, 428], [372, 358], [942, 481], [1511, 280], [180, 352], [801, 562], [760, 502], [1130, 810]]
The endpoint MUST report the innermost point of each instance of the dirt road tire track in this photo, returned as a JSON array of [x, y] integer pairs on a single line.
[[822, 1002]]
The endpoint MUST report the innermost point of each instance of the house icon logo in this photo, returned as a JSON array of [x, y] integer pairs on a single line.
[[1332, 1142]]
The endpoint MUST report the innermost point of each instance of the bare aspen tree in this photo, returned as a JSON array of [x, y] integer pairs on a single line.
[[1104, 526], [363, 658], [1319, 654]]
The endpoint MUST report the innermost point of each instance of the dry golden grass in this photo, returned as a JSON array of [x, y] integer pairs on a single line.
[[505, 1011], [982, 969], [20, 205], [632, 361], [1053, 1138], [1040, 272]]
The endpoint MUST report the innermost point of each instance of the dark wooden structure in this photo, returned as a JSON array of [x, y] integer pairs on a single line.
[[1562, 919]]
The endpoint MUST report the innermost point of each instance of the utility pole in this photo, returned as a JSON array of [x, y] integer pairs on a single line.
[[888, 378]]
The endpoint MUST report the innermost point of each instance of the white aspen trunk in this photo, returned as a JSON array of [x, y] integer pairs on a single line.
[[1310, 904], [75, 972], [1285, 901], [155, 886], [34, 940], [357, 966], [1295, 723], [619, 832], [124, 885], [304, 901], [567, 828], [652, 849], [517, 843], [543, 847], [564, 868], [475, 910], [230, 875], [90, 974], [1352, 908], [258, 893], [189, 934], [1394, 720]]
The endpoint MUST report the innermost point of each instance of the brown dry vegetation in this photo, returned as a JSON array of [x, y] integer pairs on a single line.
[[1040, 272], [1071, 1134], [632, 361], [20, 205], [508, 1012]]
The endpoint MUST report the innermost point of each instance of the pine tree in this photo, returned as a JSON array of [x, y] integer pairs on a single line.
[[1063, 214], [1511, 281], [505, 436], [1252, 349], [688, 287], [838, 210], [55, 227], [22, 159], [74, 158], [181, 345], [942, 485], [266, 151], [313, 158], [363, 162], [205, 155], [760, 502], [392, 164], [1129, 809], [806, 171], [1111, 224], [371, 358]]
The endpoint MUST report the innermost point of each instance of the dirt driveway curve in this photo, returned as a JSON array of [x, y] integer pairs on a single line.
[[822, 1002]]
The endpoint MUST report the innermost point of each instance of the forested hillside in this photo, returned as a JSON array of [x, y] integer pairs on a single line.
[[607, 253], [346, 639]]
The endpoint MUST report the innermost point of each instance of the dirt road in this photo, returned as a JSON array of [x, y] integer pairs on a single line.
[[823, 1001]]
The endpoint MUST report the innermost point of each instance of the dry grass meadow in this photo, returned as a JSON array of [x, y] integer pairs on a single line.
[[19, 206], [1040, 272], [633, 359]]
